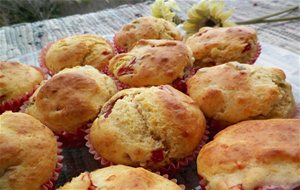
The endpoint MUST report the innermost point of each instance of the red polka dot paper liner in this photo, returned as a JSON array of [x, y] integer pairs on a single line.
[[50, 184], [120, 85], [171, 169], [74, 140], [180, 83], [172, 179], [296, 114], [42, 60], [16, 103], [97, 157], [119, 49], [258, 51], [202, 182]]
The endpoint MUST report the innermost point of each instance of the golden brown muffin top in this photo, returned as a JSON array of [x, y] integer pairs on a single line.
[[152, 62], [71, 98], [257, 153], [28, 152], [145, 28], [78, 50], [214, 46], [17, 79], [148, 127], [121, 177], [233, 92]]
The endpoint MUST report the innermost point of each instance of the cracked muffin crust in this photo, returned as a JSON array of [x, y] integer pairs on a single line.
[[144, 28], [152, 62], [28, 152], [234, 92], [78, 50], [71, 98], [215, 46], [148, 127], [16, 80], [253, 155], [120, 177]]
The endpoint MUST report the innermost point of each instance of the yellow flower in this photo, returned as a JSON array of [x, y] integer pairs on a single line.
[[207, 13], [162, 9]]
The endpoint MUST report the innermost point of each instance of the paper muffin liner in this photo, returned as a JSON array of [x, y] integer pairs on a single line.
[[202, 182], [180, 83], [171, 179], [15, 104], [120, 85], [296, 113], [50, 184], [76, 139], [42, 59], [258, 51], [119, 49], [170, 169]]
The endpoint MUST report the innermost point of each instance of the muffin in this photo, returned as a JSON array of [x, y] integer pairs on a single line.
[[28, 152], [120, 177], [78, 50], [17, 83], [144, 28], [234, 92], [148, 127], [253, 155], [215, 46], [71, 98], [152, 62]]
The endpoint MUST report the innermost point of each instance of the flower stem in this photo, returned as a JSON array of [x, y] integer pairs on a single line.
[[252, 21], [270, 20]]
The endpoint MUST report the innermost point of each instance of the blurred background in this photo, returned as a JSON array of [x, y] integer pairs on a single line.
[[19, 11]]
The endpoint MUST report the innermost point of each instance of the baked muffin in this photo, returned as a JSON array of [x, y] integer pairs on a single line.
[[28, 152], [78, 50], [71, 98], [215, 46], [144, 28], [253, 155], [234, 92], [120, 177], [148, 127], [17, 83], [152, 62]]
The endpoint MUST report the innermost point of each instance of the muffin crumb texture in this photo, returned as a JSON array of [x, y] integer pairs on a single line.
[[144, 28], [148, 127], [215, 46], [257, 154], [152, 62], [234, 92], [71, 98], [121, 177], [28, 152], [78, 50], [17, 79]]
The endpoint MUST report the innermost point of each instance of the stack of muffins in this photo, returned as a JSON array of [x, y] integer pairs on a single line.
[[151, 100]]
